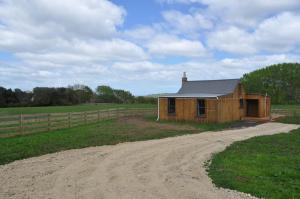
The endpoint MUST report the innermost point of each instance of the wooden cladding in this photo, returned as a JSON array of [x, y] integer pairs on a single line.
[[226, 108]]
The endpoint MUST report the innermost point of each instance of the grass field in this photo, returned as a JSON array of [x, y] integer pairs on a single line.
[[266, 166], [63, 109], [295, 119], [283, 106], [290, 120], [106, 132]]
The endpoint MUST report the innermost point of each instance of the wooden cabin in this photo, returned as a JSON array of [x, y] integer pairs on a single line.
[[213, 101]]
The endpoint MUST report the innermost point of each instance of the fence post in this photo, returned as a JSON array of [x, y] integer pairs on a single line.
[[69, 120], [21, 123], [49, 124]]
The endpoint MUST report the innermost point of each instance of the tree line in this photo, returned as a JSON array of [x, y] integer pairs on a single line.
[[71, 95], [281, 82]]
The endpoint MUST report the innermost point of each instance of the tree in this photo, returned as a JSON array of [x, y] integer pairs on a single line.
[[106, 94], [280, 81], [24, 98], [124, 96], [84, 93]]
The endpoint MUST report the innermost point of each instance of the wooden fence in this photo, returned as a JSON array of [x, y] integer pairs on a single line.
[[12, 125], [286, 112]]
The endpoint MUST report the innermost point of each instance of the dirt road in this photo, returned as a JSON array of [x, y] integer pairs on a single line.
[[167, 168]]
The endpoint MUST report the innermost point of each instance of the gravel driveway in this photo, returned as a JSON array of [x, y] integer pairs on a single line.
[[167, 168]]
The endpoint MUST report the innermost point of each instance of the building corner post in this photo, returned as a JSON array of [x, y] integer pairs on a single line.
[[157, 109]]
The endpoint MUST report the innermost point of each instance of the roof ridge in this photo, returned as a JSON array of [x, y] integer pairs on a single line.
[[212, 80]]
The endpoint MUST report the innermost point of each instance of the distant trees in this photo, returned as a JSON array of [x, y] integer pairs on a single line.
[[145, 100], [107, 94], [84, 94], [75, 94], [280, 81], [9, 98]]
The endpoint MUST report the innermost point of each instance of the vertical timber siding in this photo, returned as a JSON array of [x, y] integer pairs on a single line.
[[229, 106], [186, 110], [223, 109], [264, 104]]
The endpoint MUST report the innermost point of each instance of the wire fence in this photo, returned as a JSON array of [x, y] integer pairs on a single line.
[[12, 125]]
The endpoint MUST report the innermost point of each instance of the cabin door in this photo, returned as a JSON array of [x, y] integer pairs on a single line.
[[252, 108]]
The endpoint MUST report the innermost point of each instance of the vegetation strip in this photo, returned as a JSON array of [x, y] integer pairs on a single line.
[[32, 123], [105, 132], [266, 166]]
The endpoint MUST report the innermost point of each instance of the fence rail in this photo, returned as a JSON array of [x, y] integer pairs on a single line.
[[286, 112], [12, 125]]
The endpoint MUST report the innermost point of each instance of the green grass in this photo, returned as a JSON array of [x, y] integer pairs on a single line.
[[265, 166], [290, 120], [106, 132], [75, 108], [197, 125], [103, 133]]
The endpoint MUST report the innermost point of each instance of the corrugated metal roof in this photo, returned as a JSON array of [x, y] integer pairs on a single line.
[[223, 86]]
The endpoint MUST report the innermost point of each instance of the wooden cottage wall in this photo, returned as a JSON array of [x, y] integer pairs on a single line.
[[224, 109], [186, 110], [264, 104], [268, 107], [163, 108], [229, 106]]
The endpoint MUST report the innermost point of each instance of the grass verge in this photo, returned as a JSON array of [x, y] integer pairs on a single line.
[[266, 166], [290, 120], [106, 132], [201, 126], [286, 106]]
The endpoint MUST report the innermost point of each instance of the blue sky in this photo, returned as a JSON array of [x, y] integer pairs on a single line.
[[142, 46]]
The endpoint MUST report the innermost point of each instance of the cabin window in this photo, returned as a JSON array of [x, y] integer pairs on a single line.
[[201, 107], [241, 103], [171, 105]]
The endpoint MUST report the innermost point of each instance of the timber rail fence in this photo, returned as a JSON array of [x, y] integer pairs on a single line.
[[286, 112], [12, 125]]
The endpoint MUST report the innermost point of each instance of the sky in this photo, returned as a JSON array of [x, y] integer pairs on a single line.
[[142, 46]]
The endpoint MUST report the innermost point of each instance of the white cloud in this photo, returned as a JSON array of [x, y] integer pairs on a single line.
[[164, 45], [248, 12], [187, 23], [66, 18], [71, 32], [233, 40], [279, 33], [276, 34], [231, 67], [144, 66], [56, 43], [245, 12], [141, 33]]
